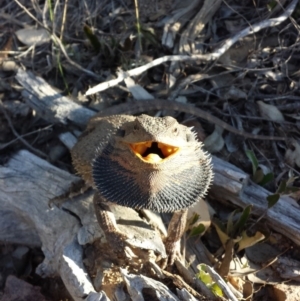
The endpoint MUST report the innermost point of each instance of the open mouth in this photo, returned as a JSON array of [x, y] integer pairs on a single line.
[[153, 152]]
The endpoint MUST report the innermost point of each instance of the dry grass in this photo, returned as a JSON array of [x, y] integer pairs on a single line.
[[90, 40]]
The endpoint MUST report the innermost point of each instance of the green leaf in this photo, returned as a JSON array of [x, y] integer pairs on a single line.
[[194, 219], [272, 199], [149, 35], [291, 189], [219, 224], [229, 227], [285, 186], [271, 5], [251, 156], [203, 275], [197, 230], [240, 224], [216, 290], [282, 187], [205, 278], [267, 179], [208, 281], [258, 176], [92, 37], [201, 267]]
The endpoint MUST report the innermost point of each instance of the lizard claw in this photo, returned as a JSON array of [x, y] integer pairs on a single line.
[[57, 201], [120, 247], [78, 187], [173, 252], [117, 241]]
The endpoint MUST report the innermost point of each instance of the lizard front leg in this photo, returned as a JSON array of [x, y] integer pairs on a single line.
[[107, 222], [77, 188], [175, 231]]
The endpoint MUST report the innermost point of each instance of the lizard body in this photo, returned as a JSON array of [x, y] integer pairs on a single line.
[[142, 162], [146, 163]]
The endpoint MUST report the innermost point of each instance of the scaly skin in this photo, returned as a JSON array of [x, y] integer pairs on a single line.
[[114, 156]]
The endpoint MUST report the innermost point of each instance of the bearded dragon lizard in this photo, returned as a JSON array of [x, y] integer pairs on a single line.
[[146, 163]]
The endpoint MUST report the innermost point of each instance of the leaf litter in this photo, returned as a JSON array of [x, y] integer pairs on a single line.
[[254, 85]]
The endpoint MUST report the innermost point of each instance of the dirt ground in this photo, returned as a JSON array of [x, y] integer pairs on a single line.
[[237, 60]]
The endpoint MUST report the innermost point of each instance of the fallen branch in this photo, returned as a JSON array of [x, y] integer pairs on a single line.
[[201, 57]]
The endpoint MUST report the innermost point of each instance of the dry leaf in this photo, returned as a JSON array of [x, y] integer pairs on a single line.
[[236, 282], [248, 241], [248, 290], [5, 48], [286, 292], [31, 36], [222, 235], [238, 55], [292, 155], [235, 93], [214, 142], [222, 81], [234, 25], [269, 111]]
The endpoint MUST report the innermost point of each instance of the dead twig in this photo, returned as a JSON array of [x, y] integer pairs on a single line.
[[3, 146], [36, 151], [29, 13], [57, 41], [63, 20], [202, 57]]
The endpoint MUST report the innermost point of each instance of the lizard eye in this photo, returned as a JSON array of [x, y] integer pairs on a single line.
[[121, 133], [175, 131], [135, 127]]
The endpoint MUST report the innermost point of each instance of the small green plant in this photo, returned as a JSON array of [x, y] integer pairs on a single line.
[[196, 229], [92, 38], [235, 229], [208, 281], [271, 5], [285, 187], [56, 49], [258, 176]]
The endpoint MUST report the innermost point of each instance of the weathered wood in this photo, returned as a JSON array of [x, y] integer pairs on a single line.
[[283, 217], [27, 184], [136, 283], [230, 185], [48, 103]]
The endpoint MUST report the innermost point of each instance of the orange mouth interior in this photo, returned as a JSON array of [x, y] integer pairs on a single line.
[[153, 152]]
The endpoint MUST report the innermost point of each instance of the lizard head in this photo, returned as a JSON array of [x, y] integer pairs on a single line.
[[154, 139], [152, 163]]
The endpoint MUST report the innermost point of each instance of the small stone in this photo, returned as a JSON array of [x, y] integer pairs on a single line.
[[17, 289], [9, 66]]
